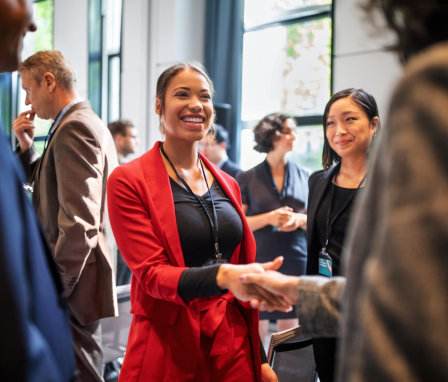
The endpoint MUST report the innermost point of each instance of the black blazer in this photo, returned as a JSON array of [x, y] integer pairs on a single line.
[[230, 168], [317, 185]]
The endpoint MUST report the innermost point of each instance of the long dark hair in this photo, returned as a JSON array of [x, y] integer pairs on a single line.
[[417, 23], [365, 101]]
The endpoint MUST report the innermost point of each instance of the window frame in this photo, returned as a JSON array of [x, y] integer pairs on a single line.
[[299, 15], [104, 59]]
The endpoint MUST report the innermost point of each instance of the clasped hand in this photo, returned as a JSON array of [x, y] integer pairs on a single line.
[[287, 220], [257, 283]]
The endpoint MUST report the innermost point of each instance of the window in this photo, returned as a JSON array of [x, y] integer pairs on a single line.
[[95, 54], [113, 51], [11, 94], [42, 39], [286, 68], [105, 57]]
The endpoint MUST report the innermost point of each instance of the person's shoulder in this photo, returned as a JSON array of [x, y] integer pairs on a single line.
[[316, 175], [422, 86], [231, 168], [422, 73], [232, 165], [82, 109], [322, 176], [431, 58], [245, 176], [80, 119], [300, 169], [134, 169]]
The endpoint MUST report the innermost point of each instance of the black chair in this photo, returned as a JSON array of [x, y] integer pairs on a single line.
[[291, 356]]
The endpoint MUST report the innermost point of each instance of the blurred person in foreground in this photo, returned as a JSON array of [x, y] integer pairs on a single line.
[[394, 301], [69, 180], [36, 339], [214, 147]]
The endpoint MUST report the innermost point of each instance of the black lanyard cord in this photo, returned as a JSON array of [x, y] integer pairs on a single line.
[[214, 224], [330, 221]]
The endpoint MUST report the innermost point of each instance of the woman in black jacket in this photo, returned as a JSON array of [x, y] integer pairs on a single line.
[[350, 123]]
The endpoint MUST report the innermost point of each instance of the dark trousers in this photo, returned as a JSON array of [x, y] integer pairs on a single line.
[[88, 353], [324, 350], [123, 272]]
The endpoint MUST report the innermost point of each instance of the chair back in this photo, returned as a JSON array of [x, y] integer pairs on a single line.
[[291, 356]]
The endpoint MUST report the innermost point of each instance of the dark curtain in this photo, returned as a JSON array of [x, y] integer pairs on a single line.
[[223, 60]]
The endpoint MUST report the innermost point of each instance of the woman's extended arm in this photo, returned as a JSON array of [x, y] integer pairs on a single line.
[[318, 299]]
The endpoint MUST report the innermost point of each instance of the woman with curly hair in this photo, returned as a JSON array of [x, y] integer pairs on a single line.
[[274, 195]]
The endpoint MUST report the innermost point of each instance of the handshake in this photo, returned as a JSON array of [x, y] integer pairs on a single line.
[[260, 284]]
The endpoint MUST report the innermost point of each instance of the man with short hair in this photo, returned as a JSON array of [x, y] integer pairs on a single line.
[[35, 340], [214, 148], [125, 138], [69, 181]]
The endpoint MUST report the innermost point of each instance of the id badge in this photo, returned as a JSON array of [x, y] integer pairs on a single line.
[[325, 264], [218, 260]]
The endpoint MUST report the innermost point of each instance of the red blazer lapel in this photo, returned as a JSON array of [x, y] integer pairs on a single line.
[[159, 192]]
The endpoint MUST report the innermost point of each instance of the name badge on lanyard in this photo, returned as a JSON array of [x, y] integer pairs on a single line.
[[325, 263]]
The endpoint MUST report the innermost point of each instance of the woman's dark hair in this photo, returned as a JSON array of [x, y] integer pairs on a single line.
[[165, 78], [268, 130], [417, 23], [365, 101]]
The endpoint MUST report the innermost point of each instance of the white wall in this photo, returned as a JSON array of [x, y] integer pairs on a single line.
[[359, 57], [71, 37], [156, 34], [136, 42], [177, 34]]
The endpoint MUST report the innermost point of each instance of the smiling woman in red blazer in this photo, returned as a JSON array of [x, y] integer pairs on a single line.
[[178, 222]]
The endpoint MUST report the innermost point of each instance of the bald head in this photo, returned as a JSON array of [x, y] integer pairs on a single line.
[[16, 18]]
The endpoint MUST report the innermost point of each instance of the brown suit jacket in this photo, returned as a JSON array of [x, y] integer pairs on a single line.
[[70, 200]]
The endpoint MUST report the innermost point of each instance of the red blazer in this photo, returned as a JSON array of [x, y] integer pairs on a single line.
[[164, 337]]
